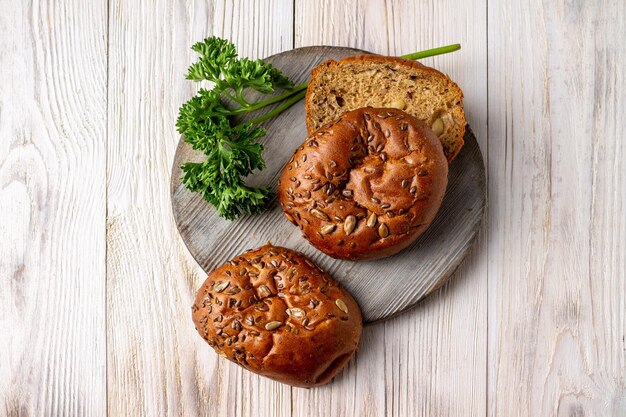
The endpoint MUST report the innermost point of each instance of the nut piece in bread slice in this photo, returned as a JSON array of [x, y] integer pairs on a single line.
[[378, 81]]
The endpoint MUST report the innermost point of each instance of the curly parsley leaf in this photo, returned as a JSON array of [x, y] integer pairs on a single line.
[[205, 121]]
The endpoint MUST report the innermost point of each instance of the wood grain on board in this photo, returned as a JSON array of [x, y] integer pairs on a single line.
[[52, 208], [557, 251], [383, 288]]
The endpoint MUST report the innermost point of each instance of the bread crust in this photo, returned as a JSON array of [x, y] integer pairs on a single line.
[[365, 186], [274, 312], [407, 63]]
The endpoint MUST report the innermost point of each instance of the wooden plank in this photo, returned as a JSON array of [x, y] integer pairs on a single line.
[[158, 364], [557, 253], [430, 361], [52, 208]]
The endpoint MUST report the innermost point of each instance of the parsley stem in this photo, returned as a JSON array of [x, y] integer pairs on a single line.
[[278, 110], [271, 100], [297, 89], [231, 97], [432, 52]]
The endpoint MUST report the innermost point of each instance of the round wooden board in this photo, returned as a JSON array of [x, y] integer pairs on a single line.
[[383, 288]]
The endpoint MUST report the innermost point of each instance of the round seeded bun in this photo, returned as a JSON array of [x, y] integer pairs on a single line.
[[367, 185], [274, 312]]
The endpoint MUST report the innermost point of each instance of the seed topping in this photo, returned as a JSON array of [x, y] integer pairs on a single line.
[[349, 224], [295, 312], [342, 305], [371, 220], [328, 229], [319, 214], [273, 325]]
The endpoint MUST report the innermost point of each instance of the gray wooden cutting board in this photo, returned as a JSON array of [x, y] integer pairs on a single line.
[[384, 287]]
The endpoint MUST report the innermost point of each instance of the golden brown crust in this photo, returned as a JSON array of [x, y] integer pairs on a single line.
[[274, 312], [328, 65], [366, 186]]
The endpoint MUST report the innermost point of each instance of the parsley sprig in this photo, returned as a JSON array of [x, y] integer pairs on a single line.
[[232, 150]]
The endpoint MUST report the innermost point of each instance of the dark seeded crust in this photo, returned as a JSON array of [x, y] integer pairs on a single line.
[[382, 81], [366, 186], [317, 324]]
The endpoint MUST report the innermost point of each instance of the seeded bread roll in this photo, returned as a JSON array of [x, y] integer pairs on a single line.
[[365, 186], [274, 312], [382, 81]]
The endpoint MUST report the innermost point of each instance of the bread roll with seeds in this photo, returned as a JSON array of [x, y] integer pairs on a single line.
[[367, 185], [274, 312]]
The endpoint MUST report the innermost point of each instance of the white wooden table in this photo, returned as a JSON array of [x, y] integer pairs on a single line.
[[96, 286]]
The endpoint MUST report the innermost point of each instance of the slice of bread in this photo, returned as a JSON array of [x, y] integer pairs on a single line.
[[378, 81]]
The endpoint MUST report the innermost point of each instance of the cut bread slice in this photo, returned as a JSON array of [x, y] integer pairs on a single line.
[[378, 81]]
